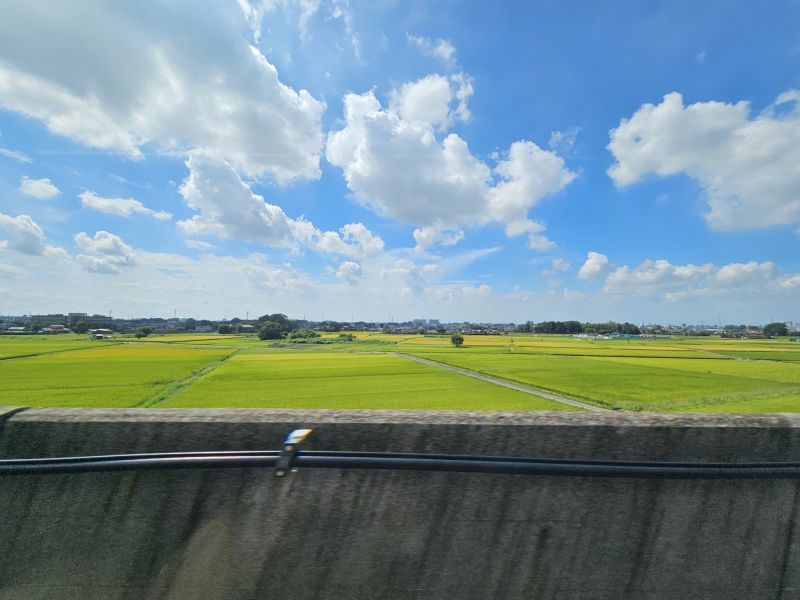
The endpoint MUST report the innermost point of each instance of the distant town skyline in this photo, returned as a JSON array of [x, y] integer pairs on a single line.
[[470, 161], [94, 319]]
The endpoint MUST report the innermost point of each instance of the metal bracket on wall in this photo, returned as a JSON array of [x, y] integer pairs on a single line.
[[290, 447]]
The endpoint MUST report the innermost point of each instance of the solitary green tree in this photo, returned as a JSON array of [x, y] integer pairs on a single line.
[[270, 330], [457, 340], [776, 329]]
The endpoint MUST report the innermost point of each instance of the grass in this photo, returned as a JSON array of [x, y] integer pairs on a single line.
[[767, 404], [658, 384], [785, 356], [111, 376], [346, 380], [182, 370], [16, 346]]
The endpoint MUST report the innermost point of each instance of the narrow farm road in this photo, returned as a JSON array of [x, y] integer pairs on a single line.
[[528, 389]]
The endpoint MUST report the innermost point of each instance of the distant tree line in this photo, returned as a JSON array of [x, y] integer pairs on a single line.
[[558, 327], [572, 327], [769, 330], [279, 327]]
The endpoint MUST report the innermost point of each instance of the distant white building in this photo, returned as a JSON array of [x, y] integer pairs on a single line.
[[100, 334], [55, 329]]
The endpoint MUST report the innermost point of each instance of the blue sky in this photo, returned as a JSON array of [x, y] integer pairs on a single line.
[[451, 160]]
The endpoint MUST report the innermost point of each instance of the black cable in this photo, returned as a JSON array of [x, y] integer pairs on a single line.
[[401, 461], [137, 462]]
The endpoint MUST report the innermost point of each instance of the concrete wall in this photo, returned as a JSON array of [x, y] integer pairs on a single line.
[[407, 535]]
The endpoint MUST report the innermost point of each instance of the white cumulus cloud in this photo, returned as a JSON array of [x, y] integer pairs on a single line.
[[662, 279], [789, 281], [434, 99], [748, 273], [38, 188], [426, 100], [428, 236], [25, 234], [481, 291], [540, 242], [398, 168], [349, 272], [353, 239], [527, 175], [747, 164], [655, 275], [407, 277], [557, 264], [118, 77], [228, 209], [595, 264], [106, 252]]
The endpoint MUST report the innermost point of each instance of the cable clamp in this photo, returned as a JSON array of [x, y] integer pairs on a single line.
[[290, 447]]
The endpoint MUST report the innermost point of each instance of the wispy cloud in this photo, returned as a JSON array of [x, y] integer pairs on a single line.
[[440, 48], [14, 155], [122, 207]]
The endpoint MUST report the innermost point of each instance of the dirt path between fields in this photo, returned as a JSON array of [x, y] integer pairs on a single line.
[[528, 389]]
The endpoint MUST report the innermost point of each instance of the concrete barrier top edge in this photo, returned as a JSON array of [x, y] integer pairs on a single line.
[[433, 417]]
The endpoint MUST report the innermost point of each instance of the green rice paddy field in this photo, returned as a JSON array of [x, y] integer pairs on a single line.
[[209, 370]]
